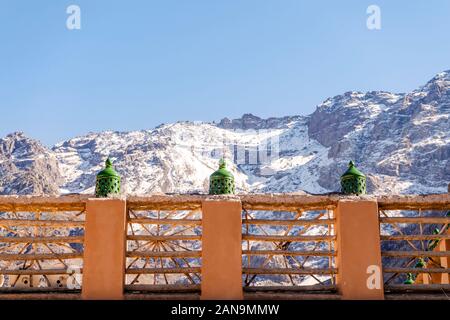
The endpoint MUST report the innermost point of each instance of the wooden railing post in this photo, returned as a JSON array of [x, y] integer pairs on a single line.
[[360, 273], [104, 250], [222, 249]]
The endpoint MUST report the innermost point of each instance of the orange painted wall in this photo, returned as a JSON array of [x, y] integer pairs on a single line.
[[442, 278], [358, 247], [104, 255], [222, 250]]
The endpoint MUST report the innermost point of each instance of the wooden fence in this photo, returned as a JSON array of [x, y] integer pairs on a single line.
[[268, 246]]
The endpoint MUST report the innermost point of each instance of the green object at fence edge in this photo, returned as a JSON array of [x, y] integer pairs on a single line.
[[222, 180], [353, 181], [108, 181]]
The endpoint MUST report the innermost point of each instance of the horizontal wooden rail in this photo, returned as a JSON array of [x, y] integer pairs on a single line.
[[299, 288], [288, 271], [258, 296], [40, 223], [287, 238], [68, 239], [164, 254], [414, 202], [72, 295], [165, 202], [158, 296], [163, 238], [45, 256], [417, 287], [287, 253], [162, 288], [43, 203], [164, 207], [288, 202], [300, 222], [415, 220], [429, 296], [416, 270], [195, 222], [30, 272], [163, 270], [291, 202], [287, 207], [36, 289], [416, 237], [415, 253]]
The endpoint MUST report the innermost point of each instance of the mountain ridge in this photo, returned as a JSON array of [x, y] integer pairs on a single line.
[[400, 140]]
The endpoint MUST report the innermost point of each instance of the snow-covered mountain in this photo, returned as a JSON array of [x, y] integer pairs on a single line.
[[27, 167], [401, 141]]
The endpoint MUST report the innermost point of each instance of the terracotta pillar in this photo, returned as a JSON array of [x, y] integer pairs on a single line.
[[358, 248], [442, 278], [222, 249], [104, 250], [445, 261]]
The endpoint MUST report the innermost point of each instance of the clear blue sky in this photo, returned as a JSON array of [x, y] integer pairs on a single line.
[[137, 64]]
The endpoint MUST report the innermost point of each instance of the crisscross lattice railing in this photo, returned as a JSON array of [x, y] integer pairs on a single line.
[[41, 246], [163, 247], [292, 249], [415, 252]]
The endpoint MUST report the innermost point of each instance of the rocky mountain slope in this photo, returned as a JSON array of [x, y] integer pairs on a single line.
[[401, 141], [27, 167]]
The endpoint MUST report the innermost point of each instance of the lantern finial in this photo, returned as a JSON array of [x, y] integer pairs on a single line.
[[108, 181], [353, 181], [222, 163], [409, 279], [222, 180]]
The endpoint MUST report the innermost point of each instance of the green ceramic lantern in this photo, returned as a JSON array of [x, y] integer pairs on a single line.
[[353, 181], [108, 181], [221, 181], [409, 279], [420, 263]]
